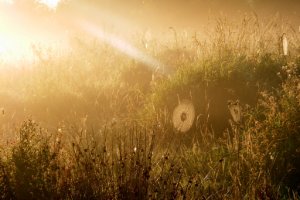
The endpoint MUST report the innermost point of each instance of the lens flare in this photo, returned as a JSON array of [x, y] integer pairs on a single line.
[[124, 47]]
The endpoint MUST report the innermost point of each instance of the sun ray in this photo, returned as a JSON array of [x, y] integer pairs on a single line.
[[125, 47]]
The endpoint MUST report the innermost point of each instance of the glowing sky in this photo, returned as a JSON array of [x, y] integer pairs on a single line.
[[23, 23], [50, 3]]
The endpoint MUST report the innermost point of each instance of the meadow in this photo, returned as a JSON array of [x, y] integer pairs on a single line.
[[97, 124]]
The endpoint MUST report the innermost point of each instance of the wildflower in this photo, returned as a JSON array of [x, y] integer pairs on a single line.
[[284, 67], [183, 116], [272, 155]]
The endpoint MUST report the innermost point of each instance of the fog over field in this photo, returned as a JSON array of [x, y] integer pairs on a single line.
[[150, 99], [25, 22]]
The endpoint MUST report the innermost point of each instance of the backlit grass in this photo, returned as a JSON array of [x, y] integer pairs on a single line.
[[96, 124]]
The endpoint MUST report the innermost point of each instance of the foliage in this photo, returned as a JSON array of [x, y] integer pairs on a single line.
[[107, 130]]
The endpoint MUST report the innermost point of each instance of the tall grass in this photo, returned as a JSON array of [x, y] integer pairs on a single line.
[[104, 126]]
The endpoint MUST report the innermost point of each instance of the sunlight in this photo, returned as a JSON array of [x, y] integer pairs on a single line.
[[124, 47], [14, 43], [16, 39], [13, 49], [52, 4], [11, 46], [7, 1]]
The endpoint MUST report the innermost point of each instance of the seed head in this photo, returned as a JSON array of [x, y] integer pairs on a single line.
[[183, 116], [285, 44], [235, 110]]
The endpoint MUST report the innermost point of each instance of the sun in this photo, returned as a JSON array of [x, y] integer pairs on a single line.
[[15, 38], [50, 3]]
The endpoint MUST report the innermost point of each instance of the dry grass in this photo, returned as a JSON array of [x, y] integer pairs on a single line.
[[105, 133]]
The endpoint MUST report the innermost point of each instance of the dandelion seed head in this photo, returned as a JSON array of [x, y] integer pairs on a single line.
[[183, 116]]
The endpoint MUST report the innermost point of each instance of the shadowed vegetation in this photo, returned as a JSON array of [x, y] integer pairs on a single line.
[[104, 126]]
